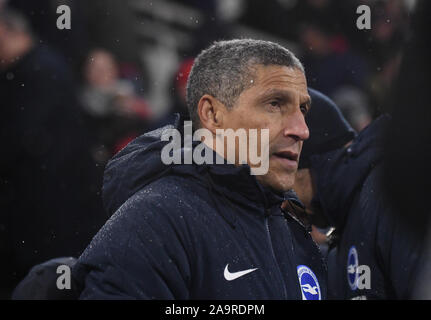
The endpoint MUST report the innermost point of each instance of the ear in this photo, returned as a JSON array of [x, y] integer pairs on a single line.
[[211, 111]]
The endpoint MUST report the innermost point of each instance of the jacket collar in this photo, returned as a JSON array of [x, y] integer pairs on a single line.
[[340, 173], [234, 181]]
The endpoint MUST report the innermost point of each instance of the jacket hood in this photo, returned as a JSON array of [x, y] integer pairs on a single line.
[[135, 166], [140, 163], [338, 174]]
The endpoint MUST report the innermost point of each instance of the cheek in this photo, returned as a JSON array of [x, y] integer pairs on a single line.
[[238, 119], [300, 143], [234, 119], [260, 122], [270, 142]]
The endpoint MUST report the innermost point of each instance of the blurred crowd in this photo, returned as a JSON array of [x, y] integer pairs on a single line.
[[71, 99]]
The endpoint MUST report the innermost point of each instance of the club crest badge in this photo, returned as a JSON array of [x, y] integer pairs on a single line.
[[352, 268], [310, 288]]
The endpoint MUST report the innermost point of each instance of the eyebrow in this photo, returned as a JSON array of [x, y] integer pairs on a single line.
[[284, 94]]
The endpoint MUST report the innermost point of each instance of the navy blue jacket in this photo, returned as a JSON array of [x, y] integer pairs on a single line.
[[349, 191], [181, 231]]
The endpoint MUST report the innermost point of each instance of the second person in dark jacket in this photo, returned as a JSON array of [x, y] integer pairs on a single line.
[[372, 255]]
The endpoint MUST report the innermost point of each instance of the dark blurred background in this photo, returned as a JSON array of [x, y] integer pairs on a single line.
[[70, 99]]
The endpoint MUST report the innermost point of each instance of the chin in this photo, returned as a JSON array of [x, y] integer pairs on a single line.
[[280, 182]]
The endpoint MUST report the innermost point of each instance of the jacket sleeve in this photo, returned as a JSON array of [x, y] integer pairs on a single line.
[[399, 252], [139, 254]]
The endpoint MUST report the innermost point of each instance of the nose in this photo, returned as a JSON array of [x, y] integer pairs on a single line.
[[296, 127]]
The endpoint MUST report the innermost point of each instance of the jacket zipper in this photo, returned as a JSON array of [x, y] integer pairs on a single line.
[[315, 246], [274, 257]]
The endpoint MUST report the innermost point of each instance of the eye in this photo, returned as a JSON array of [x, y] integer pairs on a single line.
[[275, 104], [304, 109]]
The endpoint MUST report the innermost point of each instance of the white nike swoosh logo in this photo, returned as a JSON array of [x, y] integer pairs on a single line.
[[229, 276]]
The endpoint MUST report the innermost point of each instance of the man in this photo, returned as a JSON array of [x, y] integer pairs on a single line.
[[340, 184], [212, 231], [47, 207], [329, 130]]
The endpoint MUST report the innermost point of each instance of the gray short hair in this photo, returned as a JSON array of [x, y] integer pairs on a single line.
[[224, 70]]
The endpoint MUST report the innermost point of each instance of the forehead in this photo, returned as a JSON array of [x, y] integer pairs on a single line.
[[278, 77]]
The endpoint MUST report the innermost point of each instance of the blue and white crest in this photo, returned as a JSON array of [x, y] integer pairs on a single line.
[[352, 268], [310, 288]]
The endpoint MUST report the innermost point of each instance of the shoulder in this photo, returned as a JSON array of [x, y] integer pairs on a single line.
[[371, 195], [157, 215], [169, 200], [168, 191]]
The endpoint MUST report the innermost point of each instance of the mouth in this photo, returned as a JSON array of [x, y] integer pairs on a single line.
[[288, 159]]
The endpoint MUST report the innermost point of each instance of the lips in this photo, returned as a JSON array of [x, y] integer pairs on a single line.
[[288, 159], [289, 155]]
